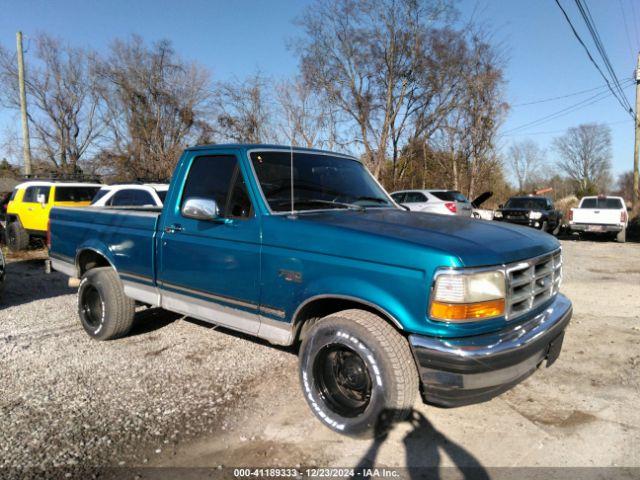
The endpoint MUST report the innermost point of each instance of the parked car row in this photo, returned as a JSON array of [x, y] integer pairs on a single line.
[[26, 211], [601, 214]]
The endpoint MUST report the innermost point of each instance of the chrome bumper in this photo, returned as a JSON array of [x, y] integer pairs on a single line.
[[469, 370]]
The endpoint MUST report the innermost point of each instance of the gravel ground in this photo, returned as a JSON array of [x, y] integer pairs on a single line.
[[179, 393], [67, 400]]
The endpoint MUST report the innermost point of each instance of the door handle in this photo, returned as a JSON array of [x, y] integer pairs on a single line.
[[173, 228]]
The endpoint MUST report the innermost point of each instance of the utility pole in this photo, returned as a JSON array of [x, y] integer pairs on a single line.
[[636, 150], [26, 145]]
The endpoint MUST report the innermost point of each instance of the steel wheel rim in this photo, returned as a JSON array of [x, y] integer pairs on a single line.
[[92, 306], [343, 380]]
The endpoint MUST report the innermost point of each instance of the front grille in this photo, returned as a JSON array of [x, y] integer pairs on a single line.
[[531, 283]]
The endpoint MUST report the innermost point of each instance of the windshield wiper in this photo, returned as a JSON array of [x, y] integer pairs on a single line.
[[350, 206], [372, 199]]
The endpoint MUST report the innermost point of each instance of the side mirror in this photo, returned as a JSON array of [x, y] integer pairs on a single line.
[[501, 206], [41, 199], [200, 208]]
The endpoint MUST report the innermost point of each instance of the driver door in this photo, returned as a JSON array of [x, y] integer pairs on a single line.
[[210, 269]]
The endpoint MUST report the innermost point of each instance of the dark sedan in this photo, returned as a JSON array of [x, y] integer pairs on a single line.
[[536, 212]]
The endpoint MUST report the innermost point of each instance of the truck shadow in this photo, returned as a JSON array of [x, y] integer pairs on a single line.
[[26, 282], [424, 447], [151, 319]]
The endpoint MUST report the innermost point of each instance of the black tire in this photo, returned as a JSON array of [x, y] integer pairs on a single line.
[[621, 236], [355, 345], [105, 311], [17, 237]]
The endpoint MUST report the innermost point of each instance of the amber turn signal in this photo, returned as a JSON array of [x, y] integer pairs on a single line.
[[456, 312]]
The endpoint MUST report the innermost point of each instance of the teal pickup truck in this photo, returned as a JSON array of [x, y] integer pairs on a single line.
[[303, 247]]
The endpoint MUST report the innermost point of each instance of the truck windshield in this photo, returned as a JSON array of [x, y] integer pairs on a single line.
[[320, 182], [527, 203], [603, 203]]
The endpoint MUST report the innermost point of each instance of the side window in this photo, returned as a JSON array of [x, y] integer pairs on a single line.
[[141, 197], [398, 197], [121, 198], [415, 197], [31, 194], [238, 204], [219, 178]]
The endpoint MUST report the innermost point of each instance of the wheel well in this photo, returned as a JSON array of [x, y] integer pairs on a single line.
[[322, 307], [88, 259]]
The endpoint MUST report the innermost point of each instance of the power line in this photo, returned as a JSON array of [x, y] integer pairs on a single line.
[[560, 97], [626, 28], [575, 33], [574, 94], [565, 111], [549, 132], [583, 8], [635, 20]]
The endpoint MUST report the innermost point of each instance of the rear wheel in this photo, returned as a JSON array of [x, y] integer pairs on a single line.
[[105, 311], [621, 236], [17, 237], [357, 373]]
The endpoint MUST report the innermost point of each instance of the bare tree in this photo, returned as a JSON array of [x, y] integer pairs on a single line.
[[624, 185], [585, 156], [364, 56], [468, 131], [244, 111], [306, 117], [525, 160], [155, 103], [62, 97]]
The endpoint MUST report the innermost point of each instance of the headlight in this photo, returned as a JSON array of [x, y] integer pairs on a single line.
[[535, 215], [497, 215], [467, 296]]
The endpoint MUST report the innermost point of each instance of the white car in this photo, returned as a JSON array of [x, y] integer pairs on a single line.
[[602, 215], [445, 202], [131, 195]]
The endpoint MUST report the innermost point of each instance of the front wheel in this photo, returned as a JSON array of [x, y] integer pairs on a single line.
[[357, 373], [105, 311]]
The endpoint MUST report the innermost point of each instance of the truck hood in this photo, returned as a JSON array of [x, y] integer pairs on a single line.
[[473, 242], [521, 210]]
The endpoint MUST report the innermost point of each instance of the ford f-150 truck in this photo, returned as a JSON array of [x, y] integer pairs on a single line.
[[382, 302], [602, 215]]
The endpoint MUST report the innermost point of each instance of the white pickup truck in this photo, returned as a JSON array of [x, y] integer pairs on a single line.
[[601, 214]]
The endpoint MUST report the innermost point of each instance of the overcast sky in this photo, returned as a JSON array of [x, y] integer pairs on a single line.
[[234, 38]]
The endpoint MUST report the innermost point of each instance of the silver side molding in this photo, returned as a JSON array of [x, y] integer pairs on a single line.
[[142, 293], [68, 268]]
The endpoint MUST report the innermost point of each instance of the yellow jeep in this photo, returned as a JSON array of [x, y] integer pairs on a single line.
[[30, 203]]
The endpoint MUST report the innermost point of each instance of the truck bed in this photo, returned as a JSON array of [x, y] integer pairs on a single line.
[[127, 235]]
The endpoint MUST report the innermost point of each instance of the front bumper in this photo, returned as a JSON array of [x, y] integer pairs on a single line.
[[527, 222], [468, 370], [595, 228]]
